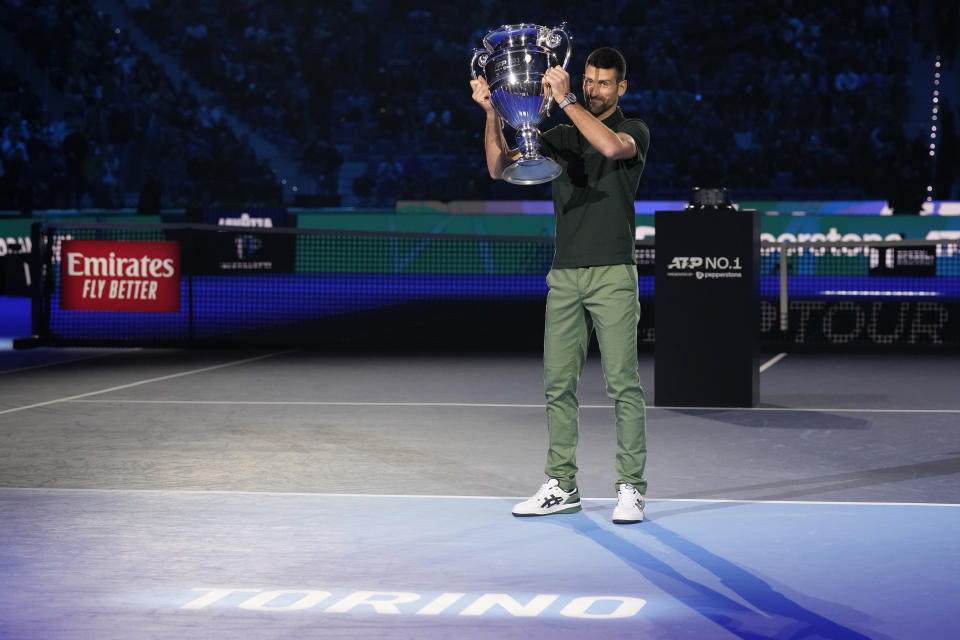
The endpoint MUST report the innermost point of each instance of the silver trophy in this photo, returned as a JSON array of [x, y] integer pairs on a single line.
[[513, 60]]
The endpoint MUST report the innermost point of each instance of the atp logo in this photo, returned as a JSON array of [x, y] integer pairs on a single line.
[[685, 262]]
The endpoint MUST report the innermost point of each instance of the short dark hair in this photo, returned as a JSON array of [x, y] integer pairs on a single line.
[[608, 58]]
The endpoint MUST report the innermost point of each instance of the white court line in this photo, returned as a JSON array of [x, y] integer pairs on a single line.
[[772, 361], [141, 382], [321, 403], [303, 494], [805, 409]]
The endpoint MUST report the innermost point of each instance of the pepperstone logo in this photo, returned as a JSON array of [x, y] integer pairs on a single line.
[[102, 275], [603, 607], [705, 267]]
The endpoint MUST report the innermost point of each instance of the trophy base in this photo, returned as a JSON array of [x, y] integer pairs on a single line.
[[532, 171]]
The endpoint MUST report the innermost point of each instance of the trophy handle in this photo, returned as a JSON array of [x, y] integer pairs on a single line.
[[478, 61], [556, 37]]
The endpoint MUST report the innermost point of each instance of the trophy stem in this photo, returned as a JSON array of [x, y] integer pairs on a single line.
[[528, 140], [531, 167]]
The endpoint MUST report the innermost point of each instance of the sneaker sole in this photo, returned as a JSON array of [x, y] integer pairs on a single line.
[[628, 521], [549, 513]]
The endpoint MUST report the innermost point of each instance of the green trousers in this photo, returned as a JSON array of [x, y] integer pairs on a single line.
[[579, 302]]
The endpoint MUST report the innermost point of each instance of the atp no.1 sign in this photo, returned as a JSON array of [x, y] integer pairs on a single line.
[[106, 275]]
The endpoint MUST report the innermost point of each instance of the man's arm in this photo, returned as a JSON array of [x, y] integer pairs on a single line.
[[613, 145], [499, 155]]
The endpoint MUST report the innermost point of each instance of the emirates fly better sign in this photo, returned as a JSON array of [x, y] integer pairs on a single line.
[[104, 275]]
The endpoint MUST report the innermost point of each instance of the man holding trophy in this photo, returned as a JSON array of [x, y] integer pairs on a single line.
[[595, 164]]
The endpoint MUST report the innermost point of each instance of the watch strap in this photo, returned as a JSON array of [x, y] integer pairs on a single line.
[[570, 98]]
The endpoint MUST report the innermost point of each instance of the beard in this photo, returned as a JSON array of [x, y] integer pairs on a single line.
[[596, 106]]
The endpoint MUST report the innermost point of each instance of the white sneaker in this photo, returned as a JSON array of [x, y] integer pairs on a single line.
[[629, 509], [549, 499]]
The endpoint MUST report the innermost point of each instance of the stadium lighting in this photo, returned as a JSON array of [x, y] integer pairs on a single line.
[[935, 99]]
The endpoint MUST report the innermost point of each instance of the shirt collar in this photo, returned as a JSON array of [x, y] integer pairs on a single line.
[[614, 118]]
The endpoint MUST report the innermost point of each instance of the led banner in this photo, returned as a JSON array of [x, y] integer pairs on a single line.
[[240, 248], [15, 247], [862, 322], [105, 275]]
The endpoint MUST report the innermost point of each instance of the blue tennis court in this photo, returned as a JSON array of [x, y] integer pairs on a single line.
[[121, 564], [294, 494]]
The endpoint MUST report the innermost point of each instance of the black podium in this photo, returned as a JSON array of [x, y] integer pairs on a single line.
[[707, 321]]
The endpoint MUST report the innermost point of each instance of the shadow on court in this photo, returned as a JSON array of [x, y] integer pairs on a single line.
[[773, 615], [820, 421]]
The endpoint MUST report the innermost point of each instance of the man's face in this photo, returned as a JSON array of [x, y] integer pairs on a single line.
[[601, 89]]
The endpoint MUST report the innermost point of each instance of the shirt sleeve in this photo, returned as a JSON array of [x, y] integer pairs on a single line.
[[637, 129], [551, 141]]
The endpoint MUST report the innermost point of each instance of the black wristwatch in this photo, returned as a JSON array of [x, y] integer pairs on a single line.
[[570, 98]]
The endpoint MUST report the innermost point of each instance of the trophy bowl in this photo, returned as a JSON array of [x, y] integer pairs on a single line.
[[513, 60]]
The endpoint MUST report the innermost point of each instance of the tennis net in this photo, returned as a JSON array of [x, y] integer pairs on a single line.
[[389, 289]]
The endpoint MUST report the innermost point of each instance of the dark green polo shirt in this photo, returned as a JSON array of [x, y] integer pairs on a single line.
[[593, 197]]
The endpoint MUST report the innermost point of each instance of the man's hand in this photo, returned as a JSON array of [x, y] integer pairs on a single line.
[[556, 83], [481, 94]]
